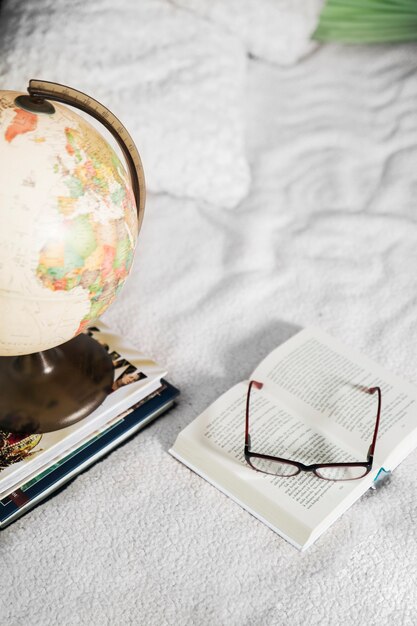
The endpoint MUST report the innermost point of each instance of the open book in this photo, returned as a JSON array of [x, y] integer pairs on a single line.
[[313, 408]]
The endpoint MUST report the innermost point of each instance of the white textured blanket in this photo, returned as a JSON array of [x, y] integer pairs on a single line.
[[327, 235]]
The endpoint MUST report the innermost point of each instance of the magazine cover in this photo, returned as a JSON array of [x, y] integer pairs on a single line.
[[135, 376]]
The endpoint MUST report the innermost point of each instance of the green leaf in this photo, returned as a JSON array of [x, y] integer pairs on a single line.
[[368, 21]]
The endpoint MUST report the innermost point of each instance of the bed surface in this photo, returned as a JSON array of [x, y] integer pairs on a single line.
[[322, 232]]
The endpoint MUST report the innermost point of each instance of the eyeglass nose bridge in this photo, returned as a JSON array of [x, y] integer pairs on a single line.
[[307, 468]]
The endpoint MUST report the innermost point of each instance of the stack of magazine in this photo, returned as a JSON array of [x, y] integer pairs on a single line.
[[33, 466]]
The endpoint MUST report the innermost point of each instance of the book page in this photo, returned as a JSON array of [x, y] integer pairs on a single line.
[[213, 445], [326, 383]]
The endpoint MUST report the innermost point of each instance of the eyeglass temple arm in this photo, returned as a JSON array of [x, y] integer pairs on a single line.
[[258, 385], [371, 450]]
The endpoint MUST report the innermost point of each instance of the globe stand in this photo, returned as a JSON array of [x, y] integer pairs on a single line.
[[55, 388]]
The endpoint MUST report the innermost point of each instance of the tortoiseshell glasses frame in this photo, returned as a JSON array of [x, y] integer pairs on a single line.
[[278, 466]]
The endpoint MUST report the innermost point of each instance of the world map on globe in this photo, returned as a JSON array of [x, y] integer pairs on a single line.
[[68, 226]]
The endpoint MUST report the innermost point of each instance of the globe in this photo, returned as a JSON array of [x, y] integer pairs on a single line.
[[70, 214], [68, 226]]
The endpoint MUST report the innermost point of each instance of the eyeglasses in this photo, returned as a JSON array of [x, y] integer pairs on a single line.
[[277, 466]]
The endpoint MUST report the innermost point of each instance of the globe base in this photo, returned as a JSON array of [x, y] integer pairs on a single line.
[[54, 389]]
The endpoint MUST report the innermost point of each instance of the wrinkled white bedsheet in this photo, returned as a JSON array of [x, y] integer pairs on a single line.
[[327, 236]]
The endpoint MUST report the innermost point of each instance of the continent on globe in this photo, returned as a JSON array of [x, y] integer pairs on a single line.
[[96, 256], [23, 122]]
